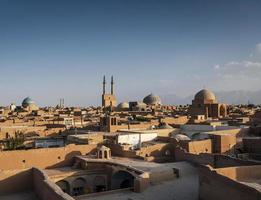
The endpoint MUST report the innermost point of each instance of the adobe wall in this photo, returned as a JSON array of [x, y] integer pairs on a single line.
[[217, 187], [12, 181], [115, 128], [214, 160], [175, 120], [118, 150], [252, 145], [157, 150], [224, 143], [40, 130], [46, 189], [241, 173], [43, 158], [202, 158], [221, 161], [201, 146]]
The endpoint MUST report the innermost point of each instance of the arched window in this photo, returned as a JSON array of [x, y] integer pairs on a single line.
[[99, 184], [122, 179], [78, 186], [64, 185], [100, 154]]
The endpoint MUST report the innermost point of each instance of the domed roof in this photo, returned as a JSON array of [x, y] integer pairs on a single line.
[[27, 101], [205, 95], [165, 126], [103, 148], [179, 137], [152, 99], [123, 105]]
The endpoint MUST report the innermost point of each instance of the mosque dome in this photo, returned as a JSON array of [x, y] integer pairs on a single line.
[[27, 101], [123, 105], [152, 99], [205, 95]]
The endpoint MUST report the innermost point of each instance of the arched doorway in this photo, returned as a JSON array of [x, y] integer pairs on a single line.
[[99, 184], [122, 179], [78, 186], [64, 185]]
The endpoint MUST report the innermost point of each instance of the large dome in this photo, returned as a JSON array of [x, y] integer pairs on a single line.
[[152, 100], [205, 95], [123, 106], [27, 101]]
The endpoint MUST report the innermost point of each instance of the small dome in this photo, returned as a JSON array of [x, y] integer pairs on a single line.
[[179, 137], [123, 105], [165, 126], [152, 100], [205, 95], [27, 101], [103, 148]]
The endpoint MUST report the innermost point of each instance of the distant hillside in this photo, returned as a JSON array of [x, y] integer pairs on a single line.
[[229, 97]]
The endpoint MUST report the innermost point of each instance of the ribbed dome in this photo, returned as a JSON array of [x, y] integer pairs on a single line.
[[27, 101], [205, 95], [123, 105], [152, 100]]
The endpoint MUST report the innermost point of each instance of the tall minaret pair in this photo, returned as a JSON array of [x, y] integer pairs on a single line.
[[108, 100], [104, 85]]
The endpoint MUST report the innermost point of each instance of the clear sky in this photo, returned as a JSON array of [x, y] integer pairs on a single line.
[[60, 48]]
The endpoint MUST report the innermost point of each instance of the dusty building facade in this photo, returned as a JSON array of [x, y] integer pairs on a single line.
[[205, 104]]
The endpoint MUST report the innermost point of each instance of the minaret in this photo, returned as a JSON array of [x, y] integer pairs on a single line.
[[112, 83], [104, 83]]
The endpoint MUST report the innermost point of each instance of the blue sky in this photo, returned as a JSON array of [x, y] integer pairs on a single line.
[[53, 49]]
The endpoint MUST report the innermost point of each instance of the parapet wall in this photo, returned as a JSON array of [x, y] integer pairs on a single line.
[[46, 189], [241, 173], [13, 181], [43, 158], [213, 185], [214, 160]]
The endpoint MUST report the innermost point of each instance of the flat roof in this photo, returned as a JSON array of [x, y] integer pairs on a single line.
[[184, 187]]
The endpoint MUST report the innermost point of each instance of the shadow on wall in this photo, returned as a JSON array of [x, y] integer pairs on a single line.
[[68, 159], [220, 184], [15, 181], [121, 180], [82, 185]]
